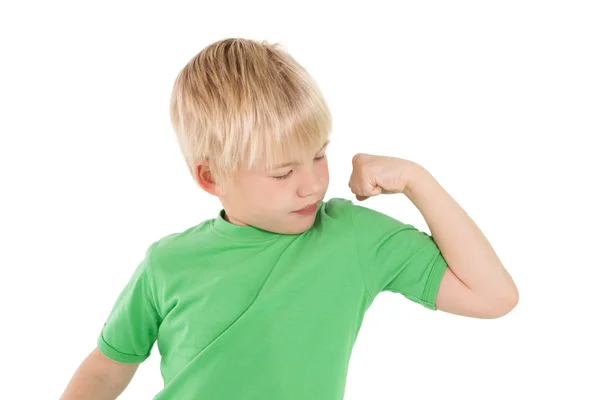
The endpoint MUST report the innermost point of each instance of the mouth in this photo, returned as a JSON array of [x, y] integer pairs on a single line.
[[311, 208]]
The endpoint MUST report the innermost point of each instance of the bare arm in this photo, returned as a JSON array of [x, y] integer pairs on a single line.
[[99, 378], [476, 284]]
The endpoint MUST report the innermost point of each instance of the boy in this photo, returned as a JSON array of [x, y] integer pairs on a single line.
[[265, 300]]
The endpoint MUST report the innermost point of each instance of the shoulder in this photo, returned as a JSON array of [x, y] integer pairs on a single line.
[[167, 249], [346, 211], [337, 207], [336, 212]]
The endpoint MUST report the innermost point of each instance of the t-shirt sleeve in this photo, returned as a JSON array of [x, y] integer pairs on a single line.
[[397, 257], [131, 328]]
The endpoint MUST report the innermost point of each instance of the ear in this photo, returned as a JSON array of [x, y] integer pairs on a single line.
[[205, 179]]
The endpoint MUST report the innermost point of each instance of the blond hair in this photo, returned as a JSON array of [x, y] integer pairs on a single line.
[[240, 102]]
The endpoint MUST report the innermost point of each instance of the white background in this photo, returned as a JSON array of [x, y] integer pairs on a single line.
[[499, 100]]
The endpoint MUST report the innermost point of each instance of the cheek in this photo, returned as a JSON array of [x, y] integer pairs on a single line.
[[324, 171], [268, 191], [250, 190]]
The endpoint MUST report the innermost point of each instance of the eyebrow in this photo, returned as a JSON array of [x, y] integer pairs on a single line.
[[289, 164]]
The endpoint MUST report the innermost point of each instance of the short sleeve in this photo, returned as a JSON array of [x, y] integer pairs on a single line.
[[397, 257], [131, 328]]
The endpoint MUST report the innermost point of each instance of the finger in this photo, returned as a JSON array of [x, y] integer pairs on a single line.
[[355, 181], [366, 192]]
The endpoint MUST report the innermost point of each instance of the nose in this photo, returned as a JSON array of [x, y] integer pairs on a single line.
[[310, 184]]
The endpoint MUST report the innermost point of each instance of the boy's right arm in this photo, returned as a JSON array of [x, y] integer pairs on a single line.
[[99, 378]]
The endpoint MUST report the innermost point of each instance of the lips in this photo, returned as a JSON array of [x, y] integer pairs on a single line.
[[308, 207]]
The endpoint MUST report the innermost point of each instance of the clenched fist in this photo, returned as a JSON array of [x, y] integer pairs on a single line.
[[373, 175]]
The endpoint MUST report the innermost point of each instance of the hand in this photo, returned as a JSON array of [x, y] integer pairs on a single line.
[[373, 175]]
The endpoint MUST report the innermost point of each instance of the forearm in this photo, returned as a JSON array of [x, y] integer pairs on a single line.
[[89, 386], [99, 378], [464, 247]]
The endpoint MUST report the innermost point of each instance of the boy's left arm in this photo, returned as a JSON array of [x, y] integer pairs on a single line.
[[475, 283]]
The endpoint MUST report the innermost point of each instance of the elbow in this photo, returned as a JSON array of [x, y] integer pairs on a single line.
[[503, 305]]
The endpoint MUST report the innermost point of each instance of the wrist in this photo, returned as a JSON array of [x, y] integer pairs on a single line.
[[416, 176]]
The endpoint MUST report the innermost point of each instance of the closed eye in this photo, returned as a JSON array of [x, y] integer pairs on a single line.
[[282, 177]]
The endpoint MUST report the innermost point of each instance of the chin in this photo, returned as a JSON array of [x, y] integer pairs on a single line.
[[299, 228], [296, 231]]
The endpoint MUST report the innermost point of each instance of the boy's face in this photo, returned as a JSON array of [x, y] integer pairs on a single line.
[[283, 200]]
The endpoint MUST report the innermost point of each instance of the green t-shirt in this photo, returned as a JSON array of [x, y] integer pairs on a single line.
[[242, 313]]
